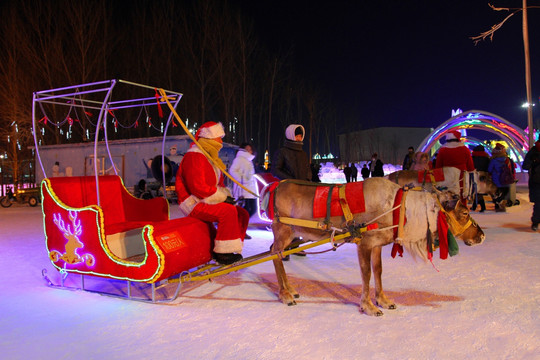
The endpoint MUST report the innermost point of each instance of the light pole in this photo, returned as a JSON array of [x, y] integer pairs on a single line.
[[529, 107], [528, 74]]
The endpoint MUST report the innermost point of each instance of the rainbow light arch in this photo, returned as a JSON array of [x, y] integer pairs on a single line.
[[516, 138]]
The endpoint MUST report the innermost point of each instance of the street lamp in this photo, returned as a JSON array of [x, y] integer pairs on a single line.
[[529, 106]]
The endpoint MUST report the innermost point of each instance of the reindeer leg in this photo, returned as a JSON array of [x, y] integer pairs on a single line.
[[380, 296], [364, 258], [282, 238], [284, 295]]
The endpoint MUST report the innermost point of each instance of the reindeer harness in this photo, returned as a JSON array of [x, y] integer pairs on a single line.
[[356, 230]]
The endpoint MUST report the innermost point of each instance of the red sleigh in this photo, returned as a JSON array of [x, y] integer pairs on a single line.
[[123, 238]]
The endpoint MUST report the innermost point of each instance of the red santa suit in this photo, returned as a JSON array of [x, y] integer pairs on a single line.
[[455, 154], [201, 194]]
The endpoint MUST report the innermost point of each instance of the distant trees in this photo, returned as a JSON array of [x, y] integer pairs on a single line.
[[204, 49]]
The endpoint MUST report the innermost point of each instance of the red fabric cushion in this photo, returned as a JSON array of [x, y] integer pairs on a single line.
[[354, 194], [271, 191], [437, 173]]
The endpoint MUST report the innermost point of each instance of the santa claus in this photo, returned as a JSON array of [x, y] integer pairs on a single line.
[[454, 153], [202, 193]]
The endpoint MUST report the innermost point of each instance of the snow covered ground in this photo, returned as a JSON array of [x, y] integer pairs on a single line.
[[483, 304]]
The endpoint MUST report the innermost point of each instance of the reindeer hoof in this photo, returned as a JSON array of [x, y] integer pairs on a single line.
[[296, 296], [291, 303], [386, 306], [373, 311]]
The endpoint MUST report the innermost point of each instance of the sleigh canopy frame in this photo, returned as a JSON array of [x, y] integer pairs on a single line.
[[99, 96]]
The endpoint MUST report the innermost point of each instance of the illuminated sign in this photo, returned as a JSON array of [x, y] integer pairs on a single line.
[[71, 234]]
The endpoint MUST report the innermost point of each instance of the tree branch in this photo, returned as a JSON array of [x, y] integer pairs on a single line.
[[494, 28]]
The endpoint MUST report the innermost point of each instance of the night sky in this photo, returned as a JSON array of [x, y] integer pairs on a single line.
[[406, 63]]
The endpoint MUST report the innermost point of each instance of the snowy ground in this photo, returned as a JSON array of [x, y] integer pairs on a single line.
[[484, 303]]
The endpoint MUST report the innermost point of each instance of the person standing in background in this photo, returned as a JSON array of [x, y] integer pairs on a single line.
[[315, 168], [354, 172], [291, 161], [531, 163], [347, 171], [421, 162], [243, 171], [481, 163], [499, 159], [376, 166], [409, 158], [365, 172]]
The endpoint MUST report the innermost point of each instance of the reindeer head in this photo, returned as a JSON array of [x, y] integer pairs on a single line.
[[72, 236], [459, 219]]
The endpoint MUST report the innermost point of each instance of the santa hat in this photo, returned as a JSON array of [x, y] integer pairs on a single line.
[[210, 130], [453, 135]]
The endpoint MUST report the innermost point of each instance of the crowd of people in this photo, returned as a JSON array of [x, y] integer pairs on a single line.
[[202, 192], [372, 169], [455, 154]]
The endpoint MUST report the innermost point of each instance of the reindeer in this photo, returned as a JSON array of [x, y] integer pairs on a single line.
[[293, 200], [73, 243]]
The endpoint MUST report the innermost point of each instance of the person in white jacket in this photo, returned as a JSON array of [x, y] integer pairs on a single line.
[[243, 171]]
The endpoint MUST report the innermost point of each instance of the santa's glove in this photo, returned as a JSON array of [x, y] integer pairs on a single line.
[[230, 200]]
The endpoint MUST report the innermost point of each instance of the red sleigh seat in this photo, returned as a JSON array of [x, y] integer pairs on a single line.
[[124, 238]]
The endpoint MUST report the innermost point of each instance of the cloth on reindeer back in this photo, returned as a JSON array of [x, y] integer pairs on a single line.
[[354, 194], [438, 174]]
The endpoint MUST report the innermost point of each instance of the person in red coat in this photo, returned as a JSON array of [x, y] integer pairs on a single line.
[[455, 154], [202, 193]]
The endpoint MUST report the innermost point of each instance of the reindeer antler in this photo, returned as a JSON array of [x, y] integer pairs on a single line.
[[77, 229], [60, 223]]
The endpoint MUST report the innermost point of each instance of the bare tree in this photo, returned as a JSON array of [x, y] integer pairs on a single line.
[[490, 33], [202, 48], [15, 97], [247, 45]]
